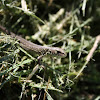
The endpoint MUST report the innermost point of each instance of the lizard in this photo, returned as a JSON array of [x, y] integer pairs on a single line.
[[32, 47]]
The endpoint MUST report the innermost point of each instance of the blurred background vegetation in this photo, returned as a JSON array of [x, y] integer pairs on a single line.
[[69, 24]]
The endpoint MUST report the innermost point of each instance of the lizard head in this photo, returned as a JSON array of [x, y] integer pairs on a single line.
[[55, 51]]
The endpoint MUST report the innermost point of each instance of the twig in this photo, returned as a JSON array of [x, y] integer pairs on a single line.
[[46, 89], [89, 55], [93, 48], [33, 72]]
